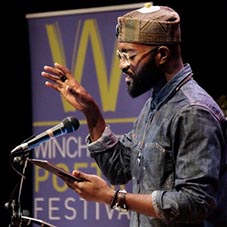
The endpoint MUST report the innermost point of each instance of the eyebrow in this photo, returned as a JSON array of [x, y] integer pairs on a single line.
[[124, 50]]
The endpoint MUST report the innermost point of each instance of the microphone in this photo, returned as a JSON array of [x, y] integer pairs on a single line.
[[68, 125]]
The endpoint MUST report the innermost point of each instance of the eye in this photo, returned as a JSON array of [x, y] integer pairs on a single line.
[[131, 57]]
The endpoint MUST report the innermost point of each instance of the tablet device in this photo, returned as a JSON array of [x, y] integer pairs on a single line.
[[63, 174]]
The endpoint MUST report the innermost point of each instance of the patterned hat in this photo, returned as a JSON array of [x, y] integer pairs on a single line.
[[149, 25]]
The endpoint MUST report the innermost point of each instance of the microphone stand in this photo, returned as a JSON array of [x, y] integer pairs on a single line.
[[17, 218], [15, 204]]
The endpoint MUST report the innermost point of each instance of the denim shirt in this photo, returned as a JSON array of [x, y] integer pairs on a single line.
[[176, 152]]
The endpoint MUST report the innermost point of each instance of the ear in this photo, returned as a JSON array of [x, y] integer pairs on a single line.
[[163, 54]]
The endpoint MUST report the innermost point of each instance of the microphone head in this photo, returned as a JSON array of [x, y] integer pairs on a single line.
[[71, 124]]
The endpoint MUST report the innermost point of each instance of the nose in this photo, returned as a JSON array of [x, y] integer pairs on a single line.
[[124, 66]]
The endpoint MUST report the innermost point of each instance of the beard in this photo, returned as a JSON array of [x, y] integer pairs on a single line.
[[143, 80]]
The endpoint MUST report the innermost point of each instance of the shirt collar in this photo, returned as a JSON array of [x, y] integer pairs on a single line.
[[171, 86]]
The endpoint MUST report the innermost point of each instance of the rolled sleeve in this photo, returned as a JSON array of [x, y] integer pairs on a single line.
[[167, 211], [105, 142]]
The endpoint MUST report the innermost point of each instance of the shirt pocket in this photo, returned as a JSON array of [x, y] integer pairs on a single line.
[[157, 168]]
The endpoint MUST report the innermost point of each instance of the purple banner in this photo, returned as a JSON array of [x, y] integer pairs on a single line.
[[85, 42]]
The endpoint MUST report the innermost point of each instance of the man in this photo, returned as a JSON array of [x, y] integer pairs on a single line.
[[175, 155]]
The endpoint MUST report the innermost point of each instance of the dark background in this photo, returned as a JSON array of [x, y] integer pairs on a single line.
[[203, 46]]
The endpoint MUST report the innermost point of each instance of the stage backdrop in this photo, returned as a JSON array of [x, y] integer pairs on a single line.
[[84, 41]]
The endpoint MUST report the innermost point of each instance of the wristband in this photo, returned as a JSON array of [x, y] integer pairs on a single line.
[[114, 199]]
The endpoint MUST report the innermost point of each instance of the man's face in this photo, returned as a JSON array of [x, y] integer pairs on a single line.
[[137, 62]]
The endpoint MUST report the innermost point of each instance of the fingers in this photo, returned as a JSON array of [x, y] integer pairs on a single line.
[[60, 79], [57, 74], [53, 74], [61, 68], [74, 186], [79, 174]]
